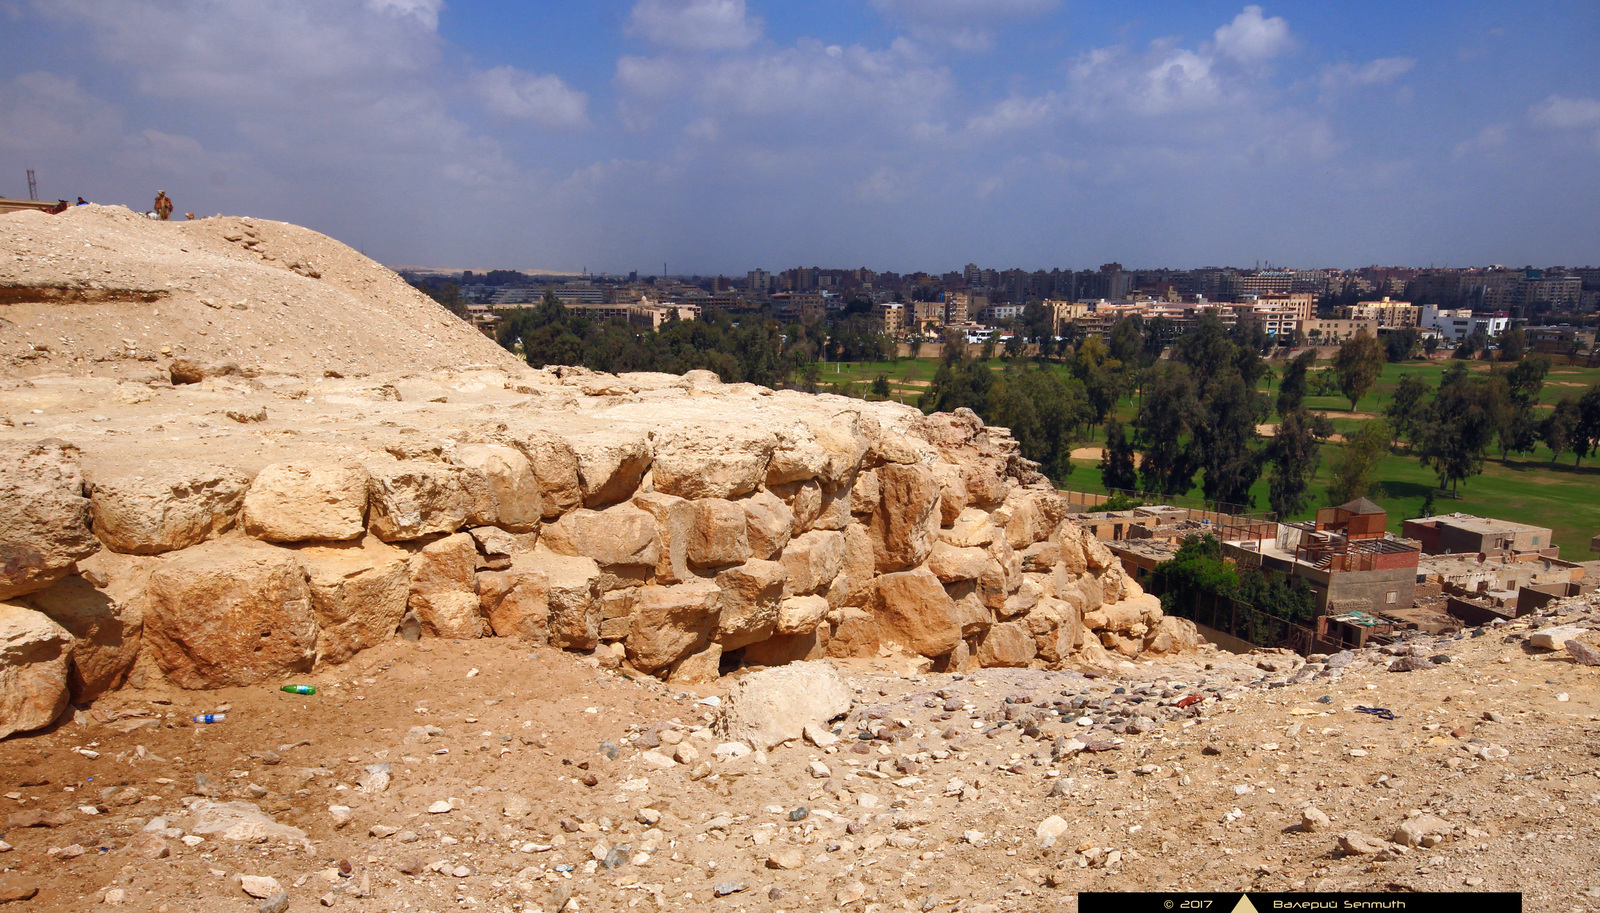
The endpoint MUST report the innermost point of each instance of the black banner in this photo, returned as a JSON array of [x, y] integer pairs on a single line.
[[1307, 902]]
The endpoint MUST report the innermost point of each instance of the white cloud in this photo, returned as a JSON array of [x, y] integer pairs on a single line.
[[424, 11], [1373, 73], [965, 25], [545, 100], [1486, 141], [698, 25], [1564, 113], [1013, 114], [1251, 37]]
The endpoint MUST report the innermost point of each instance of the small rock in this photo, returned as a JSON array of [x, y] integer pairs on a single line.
[[1554, 638], [115, 897], [819, 736], [787, 859], [657, 759], [1314, 819], [1411, 664], [724, 888], [516, 806], [341, 815], [440, 807], [14, 888], [275, 904], [408, 865], [611, 750], [1049, 830], [818, 770], [1583, 653], [260, 886], [1358, 844], [1412, 830]]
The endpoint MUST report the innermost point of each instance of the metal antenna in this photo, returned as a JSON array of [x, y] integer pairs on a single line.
[[33, 186]]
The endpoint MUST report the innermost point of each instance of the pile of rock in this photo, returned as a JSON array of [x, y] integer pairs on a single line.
[[848, 529]]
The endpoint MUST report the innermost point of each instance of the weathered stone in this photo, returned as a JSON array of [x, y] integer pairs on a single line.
[[913, 610], [768, 524], [1582, 653], [1007, 644], [621, 536], [359, 593], [797, 457], [853, 585], [701, 667], [804, 500], [697, 462], [801, 614], [674, 525], [835, 510], [865, 494], [1356, 843], [241, 822], [574, 599], [1050, 830], [1552, 638], [442, 591], [671, 622], [494, 542], [854, 634], [518, 497], [35, 655], [972, 529], [719, 536], [610, 465], [749, 603], [773, 706], [555, 465], [1313, 820], [782, 649], [224, 613], [952, 492], [1069, 539], [306, 502], [516, 603], [44, 525], [412, 499], [1041, 557], [1412, 831], [169, 505], [106, 624], [812, 560], [972, 617], [903, 526], [952, 565]]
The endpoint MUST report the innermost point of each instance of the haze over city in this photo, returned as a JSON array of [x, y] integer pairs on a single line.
[[723, 135]]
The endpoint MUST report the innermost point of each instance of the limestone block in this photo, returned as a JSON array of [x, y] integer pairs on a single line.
[[903, 526], [719, 536], [359, 593], [670, 622], [574, 600], [971, 616], [230, 613], [443, 591], [853, 585], [801, 614], [518, 496], [106, 624], [972, 529], [854, 634], [782, 649], [44, 515], [842, 437], [913, 610], [951, 564], [865, 494], [674, 524], [412, 499], [768, 524], [168, 505], [610, 465], [751, 593], [621, 536], [306, 502], [1041, 557], [1172, 635], [835, 510], [773, 706], [555, 465], [813, 560], [696, 462], [797, 457], [701, 667], [952, 492], [1006, 644], [35, 654], [516, 603], [805, 502]]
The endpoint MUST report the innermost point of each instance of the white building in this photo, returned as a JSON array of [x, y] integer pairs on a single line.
[[1456, 324]]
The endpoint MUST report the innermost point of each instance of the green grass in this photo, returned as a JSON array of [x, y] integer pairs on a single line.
[[1526, 489]]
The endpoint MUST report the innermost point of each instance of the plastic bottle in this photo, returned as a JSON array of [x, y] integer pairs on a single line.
[[299, 689], [210, 718]]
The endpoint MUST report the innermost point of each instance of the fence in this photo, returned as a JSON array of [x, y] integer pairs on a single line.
[[1218, 512], [1248, 623]]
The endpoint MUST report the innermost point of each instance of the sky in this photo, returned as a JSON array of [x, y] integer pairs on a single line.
[[718, 136]]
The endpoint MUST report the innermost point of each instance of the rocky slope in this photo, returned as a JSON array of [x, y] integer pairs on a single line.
[[221, 524]]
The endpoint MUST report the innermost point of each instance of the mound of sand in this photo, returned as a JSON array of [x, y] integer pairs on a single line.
[[102, 290]]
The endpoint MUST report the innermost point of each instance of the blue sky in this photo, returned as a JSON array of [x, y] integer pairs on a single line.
[[723, 135]]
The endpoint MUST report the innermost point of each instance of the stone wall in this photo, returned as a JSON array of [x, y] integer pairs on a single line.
[[679, 526]]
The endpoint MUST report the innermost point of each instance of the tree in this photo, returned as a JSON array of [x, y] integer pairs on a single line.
[[1513, 344], [880, 386], [1166, 411], [1116, 464], [1560, 427], [1358, 461], [1294, 454], [1292, 388], [1586, 437], [1458, 427], [1401, 344], [1408, 406], [1359, 361], [1100, 374], [1223, 433], [1196, 569]]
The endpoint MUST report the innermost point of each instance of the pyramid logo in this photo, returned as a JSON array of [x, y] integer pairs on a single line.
[[1244, 905]]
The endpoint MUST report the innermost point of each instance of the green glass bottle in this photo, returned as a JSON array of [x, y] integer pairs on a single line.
[[299, 689]]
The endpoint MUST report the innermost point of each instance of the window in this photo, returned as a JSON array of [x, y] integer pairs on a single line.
[[1391, 597]]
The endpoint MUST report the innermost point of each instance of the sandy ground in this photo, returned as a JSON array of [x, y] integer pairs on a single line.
[[939, 812]]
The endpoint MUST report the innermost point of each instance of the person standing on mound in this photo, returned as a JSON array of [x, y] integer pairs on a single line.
[[163, 205]]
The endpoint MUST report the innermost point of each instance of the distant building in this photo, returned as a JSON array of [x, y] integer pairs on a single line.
[[799, 305], [1456, 324], [892, 316], [1454, 534], [1347, 558], [1388, 314]]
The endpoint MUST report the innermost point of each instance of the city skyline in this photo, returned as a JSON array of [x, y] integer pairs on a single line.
[[720, 135]]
